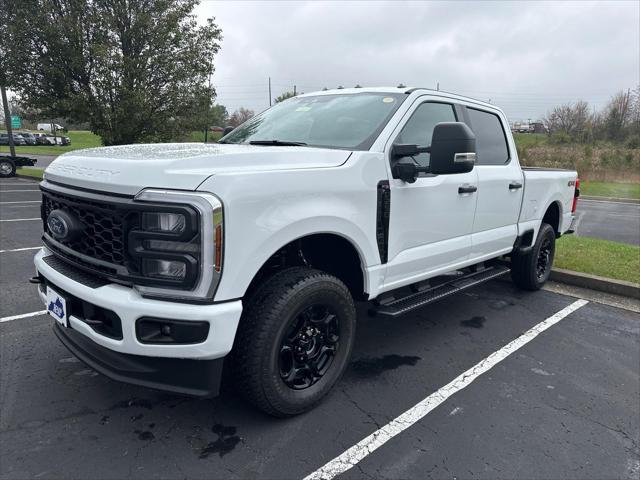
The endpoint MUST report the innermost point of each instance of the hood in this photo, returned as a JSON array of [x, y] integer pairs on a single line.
[[127, 169]]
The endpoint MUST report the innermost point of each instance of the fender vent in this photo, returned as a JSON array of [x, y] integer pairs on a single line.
[[382, 219]]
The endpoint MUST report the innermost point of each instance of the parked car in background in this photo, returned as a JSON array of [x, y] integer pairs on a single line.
[[29, 138], [17, 139], [44, 139], [48, 127]]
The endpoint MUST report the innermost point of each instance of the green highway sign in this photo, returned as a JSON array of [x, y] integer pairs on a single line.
[[16, 121]]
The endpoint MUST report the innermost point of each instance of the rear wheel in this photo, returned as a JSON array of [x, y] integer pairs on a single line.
[[294, 341], [7, 168], [531, 270]]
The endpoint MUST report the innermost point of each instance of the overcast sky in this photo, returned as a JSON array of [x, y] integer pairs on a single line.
[[524, 57]]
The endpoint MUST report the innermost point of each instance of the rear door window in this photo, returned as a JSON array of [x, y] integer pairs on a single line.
[[491, 141]]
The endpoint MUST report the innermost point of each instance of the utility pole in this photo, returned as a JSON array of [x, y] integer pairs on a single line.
[[7, 119], [206, 114], [294, 90], [438, 86], [269, 91]]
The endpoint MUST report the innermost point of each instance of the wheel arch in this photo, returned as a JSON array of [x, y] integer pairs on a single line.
[[553, 215], [329, 251]]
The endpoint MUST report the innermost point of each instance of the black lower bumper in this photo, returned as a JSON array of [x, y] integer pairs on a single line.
[[199, 378]]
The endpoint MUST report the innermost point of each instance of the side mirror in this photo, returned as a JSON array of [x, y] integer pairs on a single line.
[[453, 148], [227, 130], [406, 171]]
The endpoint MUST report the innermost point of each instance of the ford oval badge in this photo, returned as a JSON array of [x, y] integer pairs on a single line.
[[62, 225]]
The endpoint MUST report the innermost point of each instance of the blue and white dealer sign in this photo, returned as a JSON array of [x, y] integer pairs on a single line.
[[57, 306]]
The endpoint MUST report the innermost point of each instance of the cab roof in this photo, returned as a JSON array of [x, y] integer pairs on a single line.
[[405, 90]]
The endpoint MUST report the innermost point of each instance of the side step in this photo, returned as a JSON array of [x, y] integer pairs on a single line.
[[412, 301]]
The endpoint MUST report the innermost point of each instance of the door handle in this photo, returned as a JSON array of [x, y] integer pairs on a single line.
[[515, 185], [467, 189]]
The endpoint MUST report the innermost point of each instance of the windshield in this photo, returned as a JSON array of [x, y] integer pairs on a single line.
[[347, 121]]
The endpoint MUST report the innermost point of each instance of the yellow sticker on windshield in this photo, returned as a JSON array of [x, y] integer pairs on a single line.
[[387, 99], [303, 109]]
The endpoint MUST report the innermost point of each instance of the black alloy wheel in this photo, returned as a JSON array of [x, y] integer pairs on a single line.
[[309, 347]]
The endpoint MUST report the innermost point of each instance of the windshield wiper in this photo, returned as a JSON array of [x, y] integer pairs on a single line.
[[280, 143]]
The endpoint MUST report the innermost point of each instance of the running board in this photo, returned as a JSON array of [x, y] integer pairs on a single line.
[[412, 301]]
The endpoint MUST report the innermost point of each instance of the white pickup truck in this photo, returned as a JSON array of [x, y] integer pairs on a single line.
[[161, 262]]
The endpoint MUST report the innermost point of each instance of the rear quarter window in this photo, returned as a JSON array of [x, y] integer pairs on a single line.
[[491, 141]]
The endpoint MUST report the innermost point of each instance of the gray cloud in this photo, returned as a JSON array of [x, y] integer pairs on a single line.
[[525, 57]]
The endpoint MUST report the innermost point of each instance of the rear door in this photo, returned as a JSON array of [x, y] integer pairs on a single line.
[[500, 185], [430, 221]]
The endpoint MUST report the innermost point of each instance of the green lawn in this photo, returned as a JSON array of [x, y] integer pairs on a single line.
[[198, 137], [79, 139], [598, 257], [530, 139], [610, 189], [31, 172]]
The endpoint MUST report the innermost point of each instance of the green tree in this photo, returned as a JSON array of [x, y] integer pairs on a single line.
[[218, 116], [283, 97], [135, 70]]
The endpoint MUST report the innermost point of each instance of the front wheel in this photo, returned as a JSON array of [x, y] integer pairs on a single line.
[[7, 168], [294, 341], [531, 270]]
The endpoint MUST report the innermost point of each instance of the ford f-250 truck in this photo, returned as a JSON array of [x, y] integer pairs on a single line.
[[162, 262]]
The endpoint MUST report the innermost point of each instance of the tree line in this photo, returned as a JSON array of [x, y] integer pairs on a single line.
[[617, 122], [133, 70]]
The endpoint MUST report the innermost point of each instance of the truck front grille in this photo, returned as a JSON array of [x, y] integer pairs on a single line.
[[103, 231]]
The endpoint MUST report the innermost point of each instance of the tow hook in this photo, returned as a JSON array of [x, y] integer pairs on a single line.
[[37, 280]]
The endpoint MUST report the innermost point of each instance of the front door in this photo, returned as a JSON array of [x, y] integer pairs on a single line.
[[430, 220]]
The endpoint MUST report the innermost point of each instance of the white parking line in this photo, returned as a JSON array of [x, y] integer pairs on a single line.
[[21, 219], [24, 315], [368, 445], [24, 201], [14, 191], [20, 249]]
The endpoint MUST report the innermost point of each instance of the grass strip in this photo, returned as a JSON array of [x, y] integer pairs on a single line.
[[610, 189], [30, 172], [598, 257]]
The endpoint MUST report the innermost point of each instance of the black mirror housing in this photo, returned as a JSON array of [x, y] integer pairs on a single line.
[[227, 130], [453, 148], [405, 171]]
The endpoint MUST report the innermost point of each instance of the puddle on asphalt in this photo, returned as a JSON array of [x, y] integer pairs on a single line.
[[474, 322], [227, 440], [373, 367], [144, 435]]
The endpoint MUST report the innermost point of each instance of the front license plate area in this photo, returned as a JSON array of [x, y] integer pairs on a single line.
[[57, 307]]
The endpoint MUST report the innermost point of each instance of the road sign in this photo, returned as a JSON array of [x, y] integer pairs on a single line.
[[16, 121]]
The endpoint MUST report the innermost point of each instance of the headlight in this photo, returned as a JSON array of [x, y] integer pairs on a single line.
[[169, 269], [163, 222], [180, 246]]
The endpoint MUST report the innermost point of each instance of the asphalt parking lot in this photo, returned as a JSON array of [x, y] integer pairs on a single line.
[[616, 221], [564, 405]]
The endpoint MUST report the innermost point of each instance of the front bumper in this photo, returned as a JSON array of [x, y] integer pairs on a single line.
[[199, 378], [127, 359]]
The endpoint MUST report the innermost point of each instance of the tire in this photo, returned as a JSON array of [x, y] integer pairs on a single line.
[[285, 314], [531, 270], [7, 168]]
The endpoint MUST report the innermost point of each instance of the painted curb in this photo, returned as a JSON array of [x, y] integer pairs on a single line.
[[610, 199], [594, 282]]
